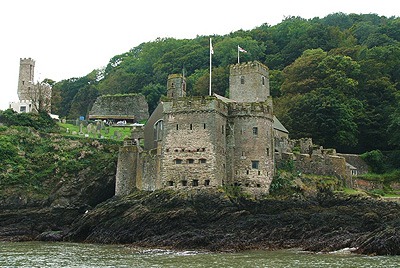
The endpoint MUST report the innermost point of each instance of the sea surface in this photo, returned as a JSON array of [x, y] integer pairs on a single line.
[[44, 254]]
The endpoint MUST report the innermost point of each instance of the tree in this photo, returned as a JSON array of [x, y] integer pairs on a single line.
[[325, 117], [40, 97]]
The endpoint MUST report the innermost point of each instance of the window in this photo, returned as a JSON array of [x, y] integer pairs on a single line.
[[255, 164], [22, 109], [204, 126], [259, 172], [158, 130], [242, 80], [255, 131], [258, 185], [195, 183], [184, 183], [170, 183], [267, 151], [207, 183], [263, 80], [177, 127], [247, 172], [243, 154], [190, 161], [223, 129], [191, 126], [178, 161], [202, 161]]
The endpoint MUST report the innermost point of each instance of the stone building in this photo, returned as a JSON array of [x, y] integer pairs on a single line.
[[205, 141], [129, 108], [32, 97]]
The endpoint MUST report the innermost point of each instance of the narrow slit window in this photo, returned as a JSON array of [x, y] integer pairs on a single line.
[[255, 131]]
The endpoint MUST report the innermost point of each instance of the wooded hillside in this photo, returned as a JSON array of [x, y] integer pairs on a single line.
[[335, 79]]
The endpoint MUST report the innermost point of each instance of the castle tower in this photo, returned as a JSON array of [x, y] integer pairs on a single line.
[[249, 82], [176, 86], [26, 76], [250, 141]]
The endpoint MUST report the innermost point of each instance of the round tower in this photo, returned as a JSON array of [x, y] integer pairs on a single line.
[[176, 86], [25, 80], [252, 148]]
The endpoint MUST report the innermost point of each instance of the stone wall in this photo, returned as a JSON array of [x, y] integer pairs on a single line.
[[249, 82], [193, 152], [251, 146], [149, 173], [356, 161], [126, 106], [318, 164], [125, 180]]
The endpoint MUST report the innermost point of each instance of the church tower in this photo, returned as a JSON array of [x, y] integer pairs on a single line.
[[176, 86], [26, 76], [249, 82]]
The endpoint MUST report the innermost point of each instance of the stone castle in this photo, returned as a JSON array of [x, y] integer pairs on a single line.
[[32, 97], [205, 141]]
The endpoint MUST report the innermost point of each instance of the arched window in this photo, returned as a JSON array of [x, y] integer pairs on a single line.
[[158, 130]]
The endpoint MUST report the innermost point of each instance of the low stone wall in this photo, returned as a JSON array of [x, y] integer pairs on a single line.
[[356, 161]]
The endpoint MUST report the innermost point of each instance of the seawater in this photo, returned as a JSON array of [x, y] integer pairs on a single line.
[[42, 254]]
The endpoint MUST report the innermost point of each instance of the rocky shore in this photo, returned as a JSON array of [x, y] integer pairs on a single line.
[[212, 221]]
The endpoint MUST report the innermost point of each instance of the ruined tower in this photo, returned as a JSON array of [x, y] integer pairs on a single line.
[[176, 86], [25, 80]]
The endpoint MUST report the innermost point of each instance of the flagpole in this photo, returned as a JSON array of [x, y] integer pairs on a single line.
[[211, 50], [238, 55]]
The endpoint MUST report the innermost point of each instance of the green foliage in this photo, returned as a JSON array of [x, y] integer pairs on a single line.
[[375, 160], [32, 163], [234, 192], [39, 121], [347, 66]]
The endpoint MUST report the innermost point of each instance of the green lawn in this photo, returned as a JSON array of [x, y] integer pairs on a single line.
[[108, 132]]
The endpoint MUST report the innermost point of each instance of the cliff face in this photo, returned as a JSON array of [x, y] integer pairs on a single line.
[[211, 221], [47, 181]]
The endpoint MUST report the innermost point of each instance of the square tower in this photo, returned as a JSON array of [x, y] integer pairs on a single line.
[[26, 76], [249, 82]]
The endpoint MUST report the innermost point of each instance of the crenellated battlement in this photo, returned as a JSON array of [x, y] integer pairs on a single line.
[[249, 67], [195, 104]]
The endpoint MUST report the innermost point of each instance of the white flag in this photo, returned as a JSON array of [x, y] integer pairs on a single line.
[[241, 50], [211, 48]]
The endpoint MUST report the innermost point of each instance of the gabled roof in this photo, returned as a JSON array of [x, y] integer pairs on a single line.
[[226, 100], [278, 125]]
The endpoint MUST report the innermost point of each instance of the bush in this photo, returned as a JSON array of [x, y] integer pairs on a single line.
[[375, 160], [39, 121]]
